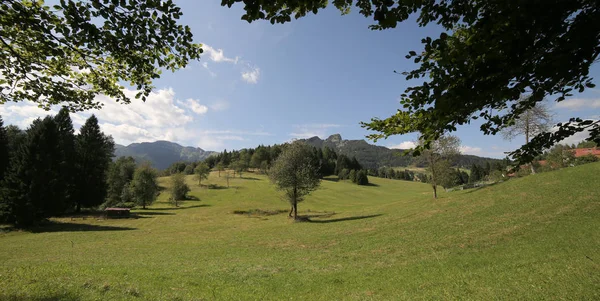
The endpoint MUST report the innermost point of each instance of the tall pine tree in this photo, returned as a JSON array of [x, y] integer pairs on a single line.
[[33, 187], [66, 145], [94, 153], [4, 156]]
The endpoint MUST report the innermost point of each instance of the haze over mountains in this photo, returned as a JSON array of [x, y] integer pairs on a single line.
[[161, 154]]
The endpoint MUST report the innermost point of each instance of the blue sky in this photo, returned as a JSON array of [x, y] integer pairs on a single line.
[[262, 84]]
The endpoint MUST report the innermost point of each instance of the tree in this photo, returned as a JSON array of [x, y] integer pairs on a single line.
[[33, 188], [438, 158], [488, 55], [561, 156], [120, 173], [202, 171], [238, 166], [179, 188], [352, 176], [4, 150], [531, 122], [260, 154], [220, 167], [94, 153], [68, 155], [75, 50], [296, 173], [362, 178], [144, 187]]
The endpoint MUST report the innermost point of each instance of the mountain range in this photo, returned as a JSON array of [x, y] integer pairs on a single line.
[[161, 154], [374, 156]]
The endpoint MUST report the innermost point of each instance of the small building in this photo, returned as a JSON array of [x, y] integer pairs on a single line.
[[117, 212], [581, 152]]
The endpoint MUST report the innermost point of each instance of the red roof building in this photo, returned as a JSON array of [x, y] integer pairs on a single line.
[[581, 152]]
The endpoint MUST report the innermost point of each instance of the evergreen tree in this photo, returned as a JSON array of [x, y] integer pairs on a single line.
[[4, 150], [94, 153], [179, 188], [66, 145], [33, 188]]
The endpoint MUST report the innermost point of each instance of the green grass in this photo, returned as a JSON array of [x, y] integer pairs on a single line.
[[536, 237]]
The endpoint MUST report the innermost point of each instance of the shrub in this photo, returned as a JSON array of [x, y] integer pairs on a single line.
[[362, 178]]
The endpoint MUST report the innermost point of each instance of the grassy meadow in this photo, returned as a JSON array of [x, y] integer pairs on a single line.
[[536, 237]]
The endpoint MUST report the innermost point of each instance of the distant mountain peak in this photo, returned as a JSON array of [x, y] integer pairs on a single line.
[[335, 138]]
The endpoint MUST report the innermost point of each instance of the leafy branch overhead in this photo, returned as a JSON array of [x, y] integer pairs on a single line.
[[491, 53], [72, 51]]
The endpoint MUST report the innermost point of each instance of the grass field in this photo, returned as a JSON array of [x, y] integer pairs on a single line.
[[536, 237]]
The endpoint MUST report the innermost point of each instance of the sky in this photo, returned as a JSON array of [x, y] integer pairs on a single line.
[[263, 84]]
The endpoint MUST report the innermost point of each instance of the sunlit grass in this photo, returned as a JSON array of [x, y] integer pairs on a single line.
[[531, 238]]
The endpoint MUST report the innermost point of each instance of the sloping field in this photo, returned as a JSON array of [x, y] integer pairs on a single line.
[[531, 238]]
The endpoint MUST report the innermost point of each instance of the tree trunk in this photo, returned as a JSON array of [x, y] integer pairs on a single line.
[[291, 210], [532, 168], [434, 191], [295, 211], [78, 209]]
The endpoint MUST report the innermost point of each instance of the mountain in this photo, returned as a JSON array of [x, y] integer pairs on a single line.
[[374, 156], [161, 154]]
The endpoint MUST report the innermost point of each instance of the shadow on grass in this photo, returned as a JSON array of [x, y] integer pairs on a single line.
[[71, 227], [482, 187], [52, 297], [152, 213], [191, 198], [215, 186], [316, 215], [258, 212], [331, 179], [372, 185], [351, 218], [177, 208]]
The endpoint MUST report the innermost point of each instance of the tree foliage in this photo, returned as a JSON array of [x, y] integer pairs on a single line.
[[295, 172], [179, 188], [120, 173], [202, 171], [33, 188], [94, 154], [74, 50], [144, 187], [439, 160], [488, 54]]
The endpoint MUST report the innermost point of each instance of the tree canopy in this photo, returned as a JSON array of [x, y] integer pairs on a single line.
[[489, 54], [74, 50]]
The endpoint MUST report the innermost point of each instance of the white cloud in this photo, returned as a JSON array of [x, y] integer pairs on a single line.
[[205, 65], [404, 145], [321, 130], [471, 150], [217, 55], [575, 104], [251, 76], [220, 105], [195, 106]]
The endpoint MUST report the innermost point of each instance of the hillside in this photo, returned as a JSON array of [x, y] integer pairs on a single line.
[[532, 238], [374, 156], [161, 154]]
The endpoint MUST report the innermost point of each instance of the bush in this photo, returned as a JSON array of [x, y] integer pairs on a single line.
[[344, 173], [352, 176], [362, 178]]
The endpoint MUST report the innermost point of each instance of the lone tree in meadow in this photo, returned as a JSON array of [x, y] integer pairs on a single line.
[[438, 159], [296, 173], [202, 171], [144, 187], [530, 123], [179, 188], [220, 167]]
